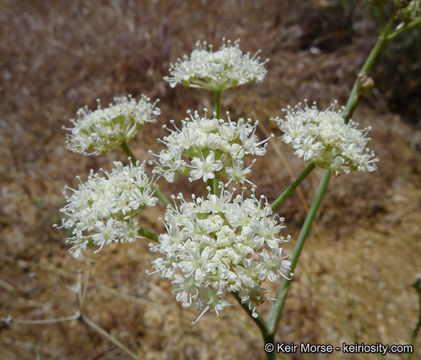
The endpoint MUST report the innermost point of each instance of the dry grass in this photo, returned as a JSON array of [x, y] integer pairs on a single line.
[[353, 282]]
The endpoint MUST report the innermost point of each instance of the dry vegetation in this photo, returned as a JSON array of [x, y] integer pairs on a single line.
[[353, 282]]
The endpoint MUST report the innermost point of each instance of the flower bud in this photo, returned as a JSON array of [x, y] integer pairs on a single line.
[[400, 4], [365, 83], [410, 12]]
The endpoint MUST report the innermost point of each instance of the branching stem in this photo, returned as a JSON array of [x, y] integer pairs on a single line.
[[292, 187], [277, 307], [355, 95]]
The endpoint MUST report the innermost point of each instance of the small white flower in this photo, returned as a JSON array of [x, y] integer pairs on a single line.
[[221, 244], [104, 129], [238, 173], [323, 138], [204, 148], [205, 168], [216, 70], [103, 209]]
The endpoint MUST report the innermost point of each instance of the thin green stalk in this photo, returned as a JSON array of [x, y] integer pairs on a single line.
[[277, 307], [401, 30], [217, 98], [270, 339], [355, 96], [159, 193], [259, 320], [150, 235], [261, 324], [161, 196], [128, 152], [214, 185], [292, 187]]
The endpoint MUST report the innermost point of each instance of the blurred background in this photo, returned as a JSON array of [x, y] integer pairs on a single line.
[[353, 282]]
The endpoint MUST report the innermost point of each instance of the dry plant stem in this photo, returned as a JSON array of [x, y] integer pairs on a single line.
[[82, 285], [10, 320], [292, 187], [159, 194], [277, 307], [109, 337], [6, 286]]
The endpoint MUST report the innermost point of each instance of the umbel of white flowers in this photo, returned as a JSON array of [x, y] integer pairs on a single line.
[[216, 70], [104, 129], [205, 147], [221, 244], [103, 209], [323, 138]]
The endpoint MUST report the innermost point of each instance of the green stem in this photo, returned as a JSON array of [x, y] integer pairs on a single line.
[[217, 98], [292, 187], [397, 32], [214, 185], [277, 307], [129, 153], [355, 96], [146, 233], [133, 159], [270, 339], [261, 324], [259, 320], [161, 195]]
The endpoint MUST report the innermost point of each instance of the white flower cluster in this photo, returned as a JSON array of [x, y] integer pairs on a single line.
[[213, 146], [103, 209], [104, 129], [221, 244], [216, 70], [323, 138]]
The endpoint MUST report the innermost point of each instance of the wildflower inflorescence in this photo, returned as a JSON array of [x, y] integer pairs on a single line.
[[221, 244], [216, 70], [325, 139], [206, 147], [104, 209], [104, 129]]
